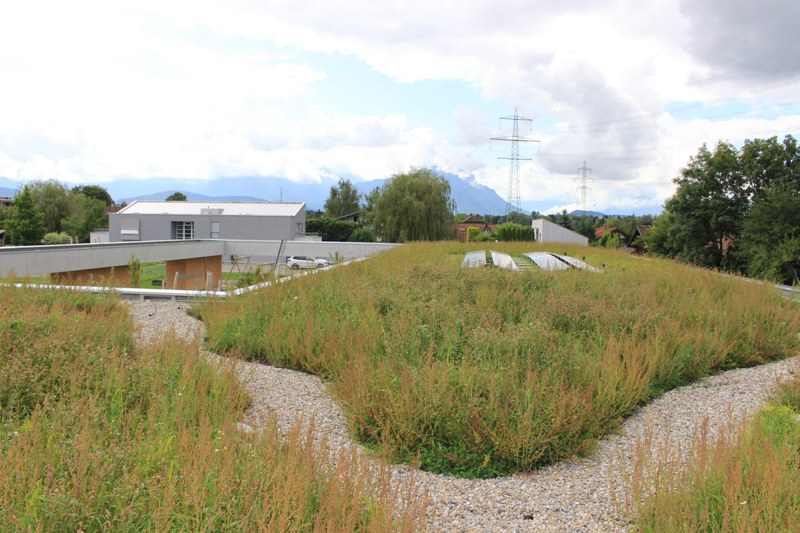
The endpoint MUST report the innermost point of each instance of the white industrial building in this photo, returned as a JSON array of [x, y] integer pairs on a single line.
[[546, 231], [162, 220]]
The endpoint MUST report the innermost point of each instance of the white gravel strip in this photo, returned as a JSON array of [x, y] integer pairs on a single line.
[[574, 495]]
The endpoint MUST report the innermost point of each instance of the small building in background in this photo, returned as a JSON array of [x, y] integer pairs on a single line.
[[545, 231], [472, 221], [6, 202], [99, 236], [636, 242], [162, 220], [602, 230]]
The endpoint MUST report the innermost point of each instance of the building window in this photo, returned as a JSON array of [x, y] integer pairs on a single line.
[[215, 230], [129, 229], [183, 230]]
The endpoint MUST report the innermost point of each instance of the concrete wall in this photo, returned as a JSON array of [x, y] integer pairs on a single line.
[[546, 231], [160, 227], [38, 260]]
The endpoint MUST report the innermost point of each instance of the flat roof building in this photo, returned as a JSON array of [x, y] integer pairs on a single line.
[[156, 221], [546, 231]]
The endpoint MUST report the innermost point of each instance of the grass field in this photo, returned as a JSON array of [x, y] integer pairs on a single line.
[[483, 372], [97, 434], [744, 480]]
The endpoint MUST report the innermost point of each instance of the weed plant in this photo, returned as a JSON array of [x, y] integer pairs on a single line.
[[483, 372], [745, 480], [96, 434]]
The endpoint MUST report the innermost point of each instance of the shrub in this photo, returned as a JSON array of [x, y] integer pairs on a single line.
[[56, 238], [511, 231], [362, 235]]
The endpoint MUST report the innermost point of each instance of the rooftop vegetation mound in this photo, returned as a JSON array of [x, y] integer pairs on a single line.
[[484, 372]]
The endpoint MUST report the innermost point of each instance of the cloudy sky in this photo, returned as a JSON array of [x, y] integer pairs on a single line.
[[92, 91]]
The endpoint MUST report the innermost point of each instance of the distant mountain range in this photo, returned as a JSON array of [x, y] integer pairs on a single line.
[[469, 196]]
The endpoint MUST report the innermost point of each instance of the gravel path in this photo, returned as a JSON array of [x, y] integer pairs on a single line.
[[574, 495]]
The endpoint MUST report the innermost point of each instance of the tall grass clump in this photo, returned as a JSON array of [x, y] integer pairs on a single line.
[[482, 372], [98, 434], [744, 480]]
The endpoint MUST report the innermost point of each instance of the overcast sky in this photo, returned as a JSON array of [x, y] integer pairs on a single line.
[[91, 91]]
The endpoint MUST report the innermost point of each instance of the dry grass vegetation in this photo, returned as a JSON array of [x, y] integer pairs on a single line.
[[98, 434], [482, 372], [744, 480]]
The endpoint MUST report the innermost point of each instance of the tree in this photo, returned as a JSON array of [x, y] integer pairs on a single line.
[[585, 225], [414, 206], [52, 199], [766, 163], [362, 235], [330, 229], [176, 197], [563, 219], [770, 239], [343, 199], [519, 218], [26, 225], [709, 204], [96, 192], [665, 236], [88, 214]]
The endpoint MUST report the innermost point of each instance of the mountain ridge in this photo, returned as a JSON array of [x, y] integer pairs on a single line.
[[469, 196]]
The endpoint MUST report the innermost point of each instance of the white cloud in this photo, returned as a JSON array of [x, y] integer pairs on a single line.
[[208, 88]]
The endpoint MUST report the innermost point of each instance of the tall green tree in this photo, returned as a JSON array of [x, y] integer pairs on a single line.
[[767, 163], [177, 196], [26, 225], [770, 240], [343, 199], [709, 205], [87, 215], [95, 191], [52, 199], [414, 206]]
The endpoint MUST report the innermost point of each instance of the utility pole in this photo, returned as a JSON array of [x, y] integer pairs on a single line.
[[513, 203], [583, 178]]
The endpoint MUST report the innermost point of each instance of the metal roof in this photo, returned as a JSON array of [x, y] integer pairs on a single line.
[[260, 209]]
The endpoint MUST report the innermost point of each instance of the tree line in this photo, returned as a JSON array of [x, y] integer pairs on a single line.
[[417, 205], [736, 210], [49, 212]]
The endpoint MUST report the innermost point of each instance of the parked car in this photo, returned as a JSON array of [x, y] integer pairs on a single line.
[[296, 262]]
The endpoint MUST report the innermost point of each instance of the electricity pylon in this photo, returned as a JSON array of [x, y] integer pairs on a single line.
[[513, 203], [584, 178]]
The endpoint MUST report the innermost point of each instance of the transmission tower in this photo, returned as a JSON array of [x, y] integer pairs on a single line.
[[513, 203], [583, 178]]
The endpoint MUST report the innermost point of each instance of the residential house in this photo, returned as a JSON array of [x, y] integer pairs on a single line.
[[636, 242], [472, 221]]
